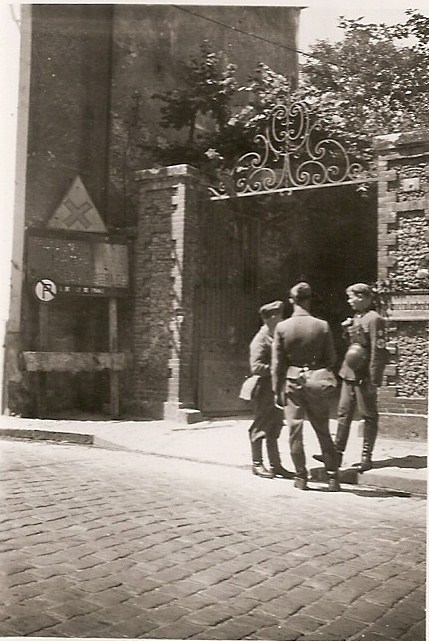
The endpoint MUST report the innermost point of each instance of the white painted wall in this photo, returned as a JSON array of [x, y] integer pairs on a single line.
[[15, 30]]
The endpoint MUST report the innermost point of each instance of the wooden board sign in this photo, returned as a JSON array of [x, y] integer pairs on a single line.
[[79, 266]]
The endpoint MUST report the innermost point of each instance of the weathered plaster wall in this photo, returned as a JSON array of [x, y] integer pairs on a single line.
[[94, 71], [67, 135], [69, 105], [150, 44]]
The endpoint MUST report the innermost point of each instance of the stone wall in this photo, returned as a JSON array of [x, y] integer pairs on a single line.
[[403, 235]]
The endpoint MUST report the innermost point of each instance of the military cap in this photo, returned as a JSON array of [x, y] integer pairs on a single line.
[[276, 307], [300, 291], [360, 288]]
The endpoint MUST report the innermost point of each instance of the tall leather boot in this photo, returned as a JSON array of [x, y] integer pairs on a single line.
[[366, 460], [274, 458], [333, 482], [341, 438], [258, 467], [369, 436]]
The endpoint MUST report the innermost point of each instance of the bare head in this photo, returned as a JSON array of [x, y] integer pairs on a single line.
[[300, 295], [359, 297]]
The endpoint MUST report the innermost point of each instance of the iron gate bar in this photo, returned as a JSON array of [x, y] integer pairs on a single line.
[[288, 190], [293, 155]]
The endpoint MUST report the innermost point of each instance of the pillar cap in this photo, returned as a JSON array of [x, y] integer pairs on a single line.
[[170, 171], [392, 141]]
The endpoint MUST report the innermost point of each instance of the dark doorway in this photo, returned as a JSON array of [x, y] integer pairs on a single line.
[[253, 250]]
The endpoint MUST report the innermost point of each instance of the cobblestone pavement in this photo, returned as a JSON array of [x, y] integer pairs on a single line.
[[103, 543]]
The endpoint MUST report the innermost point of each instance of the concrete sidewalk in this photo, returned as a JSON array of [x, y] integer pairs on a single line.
[[399, 465]]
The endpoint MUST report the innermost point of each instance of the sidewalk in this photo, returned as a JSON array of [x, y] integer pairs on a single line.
[[399, 465]]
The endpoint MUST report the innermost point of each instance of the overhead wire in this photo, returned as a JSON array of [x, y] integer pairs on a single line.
[[254, 35]]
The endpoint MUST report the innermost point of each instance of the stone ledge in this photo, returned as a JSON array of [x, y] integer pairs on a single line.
[[389, 142], [183, 415], [170, 171], [398, 480]]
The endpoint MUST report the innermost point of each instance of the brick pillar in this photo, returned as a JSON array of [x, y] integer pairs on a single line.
[[403, 213], [166, 267]]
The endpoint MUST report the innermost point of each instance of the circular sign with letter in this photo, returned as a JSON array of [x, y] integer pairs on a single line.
[[45, 290]]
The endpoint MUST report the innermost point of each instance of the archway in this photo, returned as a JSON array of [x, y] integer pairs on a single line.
[[307, 212], [253, 251]]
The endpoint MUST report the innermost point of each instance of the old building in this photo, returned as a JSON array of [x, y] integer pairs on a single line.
[[135, 290], [89, 116]]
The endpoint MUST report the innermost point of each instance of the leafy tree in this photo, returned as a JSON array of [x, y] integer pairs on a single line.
[[374, 81], [209, 84], [379, 81]]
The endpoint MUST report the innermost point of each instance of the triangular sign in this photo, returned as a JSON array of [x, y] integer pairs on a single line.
[[77, 212]]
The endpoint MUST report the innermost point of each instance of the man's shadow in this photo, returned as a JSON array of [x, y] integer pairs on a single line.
[[410, 461]]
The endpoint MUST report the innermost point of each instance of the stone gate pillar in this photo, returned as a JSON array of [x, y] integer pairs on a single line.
[[403, 213], [166, 267]]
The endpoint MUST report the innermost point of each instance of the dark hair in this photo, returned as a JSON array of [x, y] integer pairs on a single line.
[[300, 291]]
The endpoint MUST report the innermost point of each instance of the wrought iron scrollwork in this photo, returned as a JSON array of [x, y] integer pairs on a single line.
[[293, 152]]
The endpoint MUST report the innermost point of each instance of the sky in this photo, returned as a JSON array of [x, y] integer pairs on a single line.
[[320, 19]]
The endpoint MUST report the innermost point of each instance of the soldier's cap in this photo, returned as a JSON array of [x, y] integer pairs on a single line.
[[300, 291], [269, 309], [360, 289]]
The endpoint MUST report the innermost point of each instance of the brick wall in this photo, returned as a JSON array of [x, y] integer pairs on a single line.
[[166, 264], [403, 212]]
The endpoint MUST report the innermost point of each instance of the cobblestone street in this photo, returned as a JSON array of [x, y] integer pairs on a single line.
[[106, 543]]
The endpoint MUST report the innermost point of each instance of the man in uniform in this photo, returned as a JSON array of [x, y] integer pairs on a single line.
[[361, 372], [268, 420], [303, 343]]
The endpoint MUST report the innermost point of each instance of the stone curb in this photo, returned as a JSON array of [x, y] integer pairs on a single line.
[[47, 435], [373, 478]]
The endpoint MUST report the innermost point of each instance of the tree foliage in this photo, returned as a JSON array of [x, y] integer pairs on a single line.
[[373, 81], [208, 88], [379, 79]]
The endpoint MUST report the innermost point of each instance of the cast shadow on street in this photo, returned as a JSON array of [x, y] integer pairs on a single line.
[[410, 461], [367, 492]]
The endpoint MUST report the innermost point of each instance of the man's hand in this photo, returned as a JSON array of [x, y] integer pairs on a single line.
[[278, 401]]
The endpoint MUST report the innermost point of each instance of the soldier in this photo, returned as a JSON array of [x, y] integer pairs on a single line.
[[268, 420], [361, 372], [303, 345]]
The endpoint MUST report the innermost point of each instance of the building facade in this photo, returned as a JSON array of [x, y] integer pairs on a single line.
[[135, 294], [90, 117]]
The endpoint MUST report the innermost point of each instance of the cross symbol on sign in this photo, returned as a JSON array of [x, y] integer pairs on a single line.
[[77, 213]]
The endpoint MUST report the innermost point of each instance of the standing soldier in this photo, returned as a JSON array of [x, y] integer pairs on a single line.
[[361, 372], [303, 346], [268, 420]]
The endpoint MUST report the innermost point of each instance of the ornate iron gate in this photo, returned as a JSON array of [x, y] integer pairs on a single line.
[[226, 313], [294, 151]]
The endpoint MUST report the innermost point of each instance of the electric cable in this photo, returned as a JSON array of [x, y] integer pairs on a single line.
[[254, 35]]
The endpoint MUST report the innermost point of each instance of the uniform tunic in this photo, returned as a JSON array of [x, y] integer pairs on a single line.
[[268, 420], [368, 330], [303, 341], [359, 388]]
